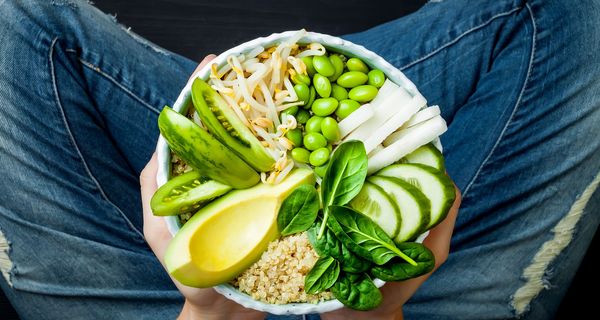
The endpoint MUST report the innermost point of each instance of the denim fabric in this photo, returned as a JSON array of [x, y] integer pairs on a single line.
[[517, 81]]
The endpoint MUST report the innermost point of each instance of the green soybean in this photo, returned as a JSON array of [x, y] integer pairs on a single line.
[[355, 64], [295, 136], [303, 92], [319, 157], [376, 78], [301, 155], [322, 85], [314, 140], [310, 69], [330, 129], [352, 79], [346, 107], [313, 124], [320, 170], [338, 66], [338, 92], [291, 110], [324, 106], [302, 116], [300, 78], [311, 97], [364, 93], [323, 66]]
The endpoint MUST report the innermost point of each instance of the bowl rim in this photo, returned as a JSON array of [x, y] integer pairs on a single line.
[[184, 101]]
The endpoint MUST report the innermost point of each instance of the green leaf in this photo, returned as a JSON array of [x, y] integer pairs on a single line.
[[322, 276], [399, 270], [363, 236], [344, 178], [299, 210], [330, 245], [357, 291]]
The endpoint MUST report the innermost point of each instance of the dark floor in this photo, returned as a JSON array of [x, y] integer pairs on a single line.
[[197, 28]]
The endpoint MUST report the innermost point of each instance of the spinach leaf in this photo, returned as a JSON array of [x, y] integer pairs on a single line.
[[322, 276], [357, 291], [344, 177], [299, 210], [330, 245], [363, 236], [398, 270]]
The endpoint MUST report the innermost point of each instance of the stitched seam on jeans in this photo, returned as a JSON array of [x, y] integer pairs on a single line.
[[530, 66], [119, 85], [74, 142], [455, 40]]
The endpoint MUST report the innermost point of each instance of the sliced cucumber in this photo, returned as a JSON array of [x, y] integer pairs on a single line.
[[413, 204], [428, 155], [373, 202], [436, 186]]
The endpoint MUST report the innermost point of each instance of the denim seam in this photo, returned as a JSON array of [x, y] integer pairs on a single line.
[[97, 69], [517, 103], [76, 147], [462, 35]]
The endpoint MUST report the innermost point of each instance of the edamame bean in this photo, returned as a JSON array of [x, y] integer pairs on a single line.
[[324, 106], [314, 140], [311, 98], [310, 69], [319, 157], [346, 107], [320, 170], [313, 124], [338, 92], [338, 66], [300, 78], [330, 129], [295, 136], [301, 155], [291, 110], [376, 78], [323, 66], [302, 116], [352, 79], [303, 92], [322, 85], [355, 64], [363, 93]]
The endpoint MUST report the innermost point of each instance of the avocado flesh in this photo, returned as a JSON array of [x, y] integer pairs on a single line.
[[228, 235], [226, 126]]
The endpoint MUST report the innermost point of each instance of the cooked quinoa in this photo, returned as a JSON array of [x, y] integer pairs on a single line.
[[278, 277]]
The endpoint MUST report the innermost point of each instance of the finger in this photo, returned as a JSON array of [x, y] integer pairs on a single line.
[[204, 62]]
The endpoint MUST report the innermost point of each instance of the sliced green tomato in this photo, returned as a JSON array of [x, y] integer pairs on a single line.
[[434, 184], [203, 152], [414, 206], [186, 193], [373, 202], [428, 155], [226, 126]]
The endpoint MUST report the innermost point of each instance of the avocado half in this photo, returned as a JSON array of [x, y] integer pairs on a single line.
[[226, 126]]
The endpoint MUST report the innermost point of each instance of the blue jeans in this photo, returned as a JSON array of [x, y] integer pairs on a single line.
[[517, 81]]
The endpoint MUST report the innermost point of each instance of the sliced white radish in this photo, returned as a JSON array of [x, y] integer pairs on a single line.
[[378, 148], [421, 116], [386, 89], [383, 112], [403, 113], [355, 119], [406, 141]]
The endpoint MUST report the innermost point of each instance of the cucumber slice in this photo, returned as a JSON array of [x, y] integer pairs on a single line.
[[413, 204], [428, 155], [373, 202], [436, 186]]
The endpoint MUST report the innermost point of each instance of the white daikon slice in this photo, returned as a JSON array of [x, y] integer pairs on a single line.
[[421, 116], [355, 119], [386, 89], [383, 112], [378, 148], [403, 113], [406, 141]]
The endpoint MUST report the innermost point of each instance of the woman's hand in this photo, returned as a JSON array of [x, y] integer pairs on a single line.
[[199, 303], [395, 294]]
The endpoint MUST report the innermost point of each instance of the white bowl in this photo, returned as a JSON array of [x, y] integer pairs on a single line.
[[184, 101]]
